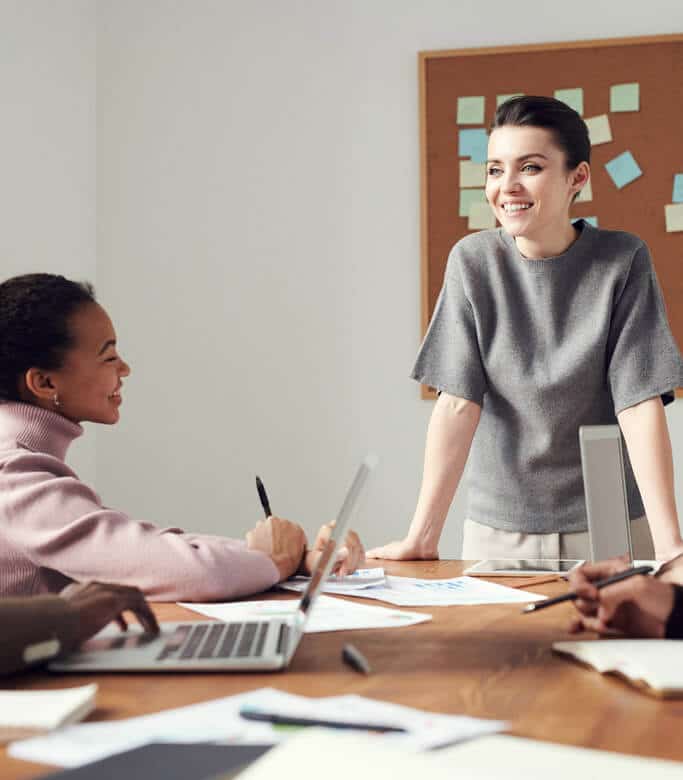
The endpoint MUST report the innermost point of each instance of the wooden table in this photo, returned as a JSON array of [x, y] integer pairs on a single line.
[[491, 662]]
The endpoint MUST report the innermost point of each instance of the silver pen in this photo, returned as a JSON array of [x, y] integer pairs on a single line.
[[355, 659]]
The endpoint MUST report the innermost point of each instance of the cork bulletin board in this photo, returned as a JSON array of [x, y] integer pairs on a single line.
[[631, 90]]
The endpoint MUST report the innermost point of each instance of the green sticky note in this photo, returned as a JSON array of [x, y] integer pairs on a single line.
[[624, 97], [468, 198], [471, 110], [502, 98], [572, 97]]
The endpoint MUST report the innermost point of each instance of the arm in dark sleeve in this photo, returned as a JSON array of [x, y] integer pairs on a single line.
[[674, 625], [34, 630]]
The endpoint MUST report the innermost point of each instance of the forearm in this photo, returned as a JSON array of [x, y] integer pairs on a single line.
[[35, 629], [649, 448], [449, 437]]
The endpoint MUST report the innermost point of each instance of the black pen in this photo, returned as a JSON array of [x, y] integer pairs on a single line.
[[355, 659], [263, 496], [295, 720], [572, 596]]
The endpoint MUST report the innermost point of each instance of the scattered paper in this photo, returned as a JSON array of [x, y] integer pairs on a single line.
[[457, 591], [424, 730], [210, 721], [677, 196], [673, 213], [599, 129], [474, 144], [468, 198], [572, 97], [361, 578], [586, 194], [329, 614], [623, 169], [471, 110], [500, 99], [472, 174], [481, 217], [624, 97]]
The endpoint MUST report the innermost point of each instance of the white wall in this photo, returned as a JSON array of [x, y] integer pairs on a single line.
[[47, 137], [258, 245]]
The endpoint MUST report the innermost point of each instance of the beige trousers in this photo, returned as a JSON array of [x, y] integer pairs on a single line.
[[479, 542]]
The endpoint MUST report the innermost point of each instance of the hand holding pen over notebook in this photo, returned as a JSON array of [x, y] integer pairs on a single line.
[[603, 583]]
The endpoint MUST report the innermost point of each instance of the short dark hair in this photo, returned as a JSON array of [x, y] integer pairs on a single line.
[[34, 328], [569, 130]]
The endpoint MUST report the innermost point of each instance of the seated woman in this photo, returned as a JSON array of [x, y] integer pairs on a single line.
[[39, 628], [59, 366]]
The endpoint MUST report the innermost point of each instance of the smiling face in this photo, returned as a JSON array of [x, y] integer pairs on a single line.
[[88, 384], [530, 188]]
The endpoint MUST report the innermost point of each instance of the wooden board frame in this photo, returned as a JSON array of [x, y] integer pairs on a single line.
[[622, 65]]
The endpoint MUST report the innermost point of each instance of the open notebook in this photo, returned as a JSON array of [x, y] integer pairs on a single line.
[[651, 664]]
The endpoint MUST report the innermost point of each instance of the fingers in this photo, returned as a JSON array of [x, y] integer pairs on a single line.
[[375, 552], [354, 554], [122, 622]]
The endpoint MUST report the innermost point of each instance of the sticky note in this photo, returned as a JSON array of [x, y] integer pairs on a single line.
[[624, 97], [586, 193], [472, 174], [572, 97], [502, 98], [599, 130], [674, 217], [474, 144], [481, 217], [623, 169], [468, 198], [471, 110], [678, 188]]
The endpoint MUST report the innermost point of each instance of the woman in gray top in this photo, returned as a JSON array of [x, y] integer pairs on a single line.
[[542, 326]]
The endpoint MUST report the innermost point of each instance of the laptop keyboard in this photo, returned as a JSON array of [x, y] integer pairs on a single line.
[[220, 640]]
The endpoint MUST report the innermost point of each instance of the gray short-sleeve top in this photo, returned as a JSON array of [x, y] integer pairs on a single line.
[[545, 346]]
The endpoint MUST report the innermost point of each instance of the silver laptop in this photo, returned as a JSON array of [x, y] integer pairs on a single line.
[[264, 644], [602, 462]]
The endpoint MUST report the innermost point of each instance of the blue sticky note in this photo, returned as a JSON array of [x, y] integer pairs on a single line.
[[572, 97], [474, 144], [623, 169], [677, 197]]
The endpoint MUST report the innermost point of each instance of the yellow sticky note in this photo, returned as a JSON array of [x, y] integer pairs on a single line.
[[674, 217], [586, 193], [471, 110], [472, 174], [599, 129], [481, 217]]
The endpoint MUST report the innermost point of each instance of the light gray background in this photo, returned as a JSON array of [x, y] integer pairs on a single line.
[[241, 181]]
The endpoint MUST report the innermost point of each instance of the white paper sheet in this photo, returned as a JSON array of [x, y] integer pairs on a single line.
[[218, 720], [413, 592], [329, 614], [361, 578]]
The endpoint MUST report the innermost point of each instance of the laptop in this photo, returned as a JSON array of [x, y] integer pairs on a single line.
[[604, 484], [265, 644]]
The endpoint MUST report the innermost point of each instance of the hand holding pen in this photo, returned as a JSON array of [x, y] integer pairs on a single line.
[[588, 589], [638, 606]]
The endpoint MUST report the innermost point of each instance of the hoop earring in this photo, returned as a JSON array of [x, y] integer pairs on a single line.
[[55, 400]]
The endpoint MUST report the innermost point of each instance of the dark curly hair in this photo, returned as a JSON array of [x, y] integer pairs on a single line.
[[34, 328], [569, 130]]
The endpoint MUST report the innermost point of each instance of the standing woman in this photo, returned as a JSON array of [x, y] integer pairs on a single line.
[[542, 326]]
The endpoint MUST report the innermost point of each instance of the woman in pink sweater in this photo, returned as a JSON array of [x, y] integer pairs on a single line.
[[59, 366]]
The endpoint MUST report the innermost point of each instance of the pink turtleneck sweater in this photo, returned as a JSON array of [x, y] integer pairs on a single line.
[[54, 529]]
